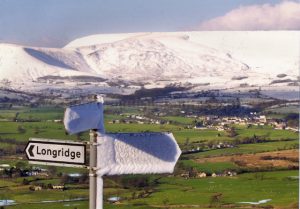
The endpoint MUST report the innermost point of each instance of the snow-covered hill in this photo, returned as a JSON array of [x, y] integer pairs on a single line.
[[266, 51], [211, 59], [26, 64]]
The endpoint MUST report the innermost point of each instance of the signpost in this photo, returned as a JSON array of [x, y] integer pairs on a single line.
[[134, 153], [56, 152], [137, 153], [110, 154], [79, 118]]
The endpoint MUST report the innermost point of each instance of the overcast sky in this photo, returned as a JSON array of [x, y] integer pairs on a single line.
[[53, 23]]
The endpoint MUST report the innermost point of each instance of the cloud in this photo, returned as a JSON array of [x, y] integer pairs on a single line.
[[281, 16]]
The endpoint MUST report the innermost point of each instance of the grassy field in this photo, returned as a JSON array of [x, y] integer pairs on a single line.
[[11, 130], [279, 186], [180, 120], [249, 148], [26, 113], [170, 192], [265, 131], [49, 129], [48, 113], [209, 168], [22, 131], [76, 204], [273, 185]]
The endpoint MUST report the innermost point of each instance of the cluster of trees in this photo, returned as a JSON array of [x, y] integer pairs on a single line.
[[142, 186], [292, 119], [216, 199], [151, 93], [135, 181], [82, 179], [14, 147]]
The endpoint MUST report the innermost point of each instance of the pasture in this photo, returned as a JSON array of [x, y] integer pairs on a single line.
[[172, 192], [18, 124]]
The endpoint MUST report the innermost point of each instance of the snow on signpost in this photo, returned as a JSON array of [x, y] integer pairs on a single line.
[[134, 153], [122, 153], [79, 118], [137, 153]]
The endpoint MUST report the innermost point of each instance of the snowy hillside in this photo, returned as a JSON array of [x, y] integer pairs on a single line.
[[211, 59], [24, 64], [266, 51], [151, 60]]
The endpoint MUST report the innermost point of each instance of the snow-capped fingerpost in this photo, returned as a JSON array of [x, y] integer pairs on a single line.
[[83, 117], [79, 118], [137, 153], [134, 153], [121, 153]]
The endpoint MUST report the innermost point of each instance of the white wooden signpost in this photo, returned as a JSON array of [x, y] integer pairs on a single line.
[[110, 154]]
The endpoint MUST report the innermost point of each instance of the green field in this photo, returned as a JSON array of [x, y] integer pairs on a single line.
[[209, 168], [44, 129], [249, 149], [10, 130], [180, 120], [168, 191], [274, 185], [26, 113], [278, 186], [76, 204]]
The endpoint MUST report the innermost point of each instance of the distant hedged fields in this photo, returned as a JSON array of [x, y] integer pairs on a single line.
[[205, 150]]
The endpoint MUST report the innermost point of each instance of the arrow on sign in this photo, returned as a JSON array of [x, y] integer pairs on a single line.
[[30, 150], [53, 151]]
